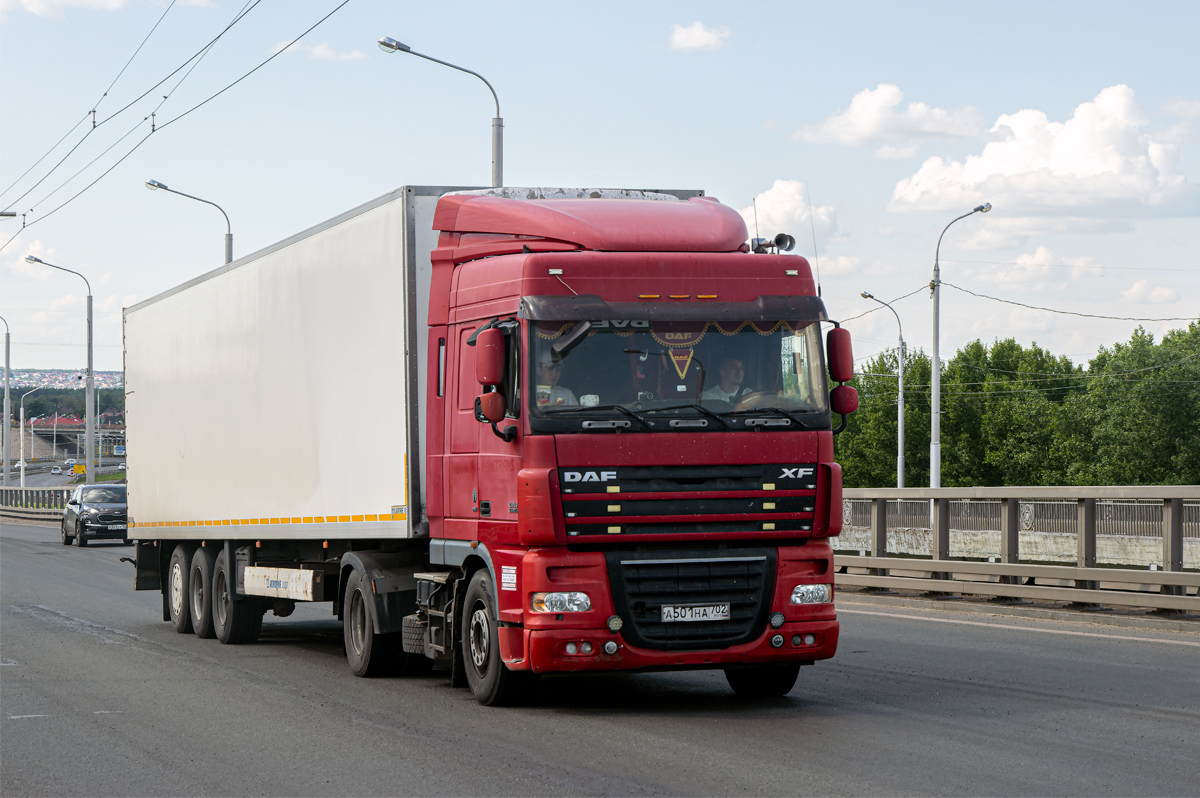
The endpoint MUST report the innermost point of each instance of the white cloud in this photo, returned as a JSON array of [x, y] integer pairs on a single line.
[[874, 118], [320, 51], [698, 37], [784, 208], [1098, 162], [55, 8], [839, 265], [1143, 292]]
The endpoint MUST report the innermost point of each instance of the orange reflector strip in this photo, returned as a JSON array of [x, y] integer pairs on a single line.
[[647, 296]]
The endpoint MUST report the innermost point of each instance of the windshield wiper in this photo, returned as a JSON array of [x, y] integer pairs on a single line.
[[776, 410], [704, 410], [618, 408]]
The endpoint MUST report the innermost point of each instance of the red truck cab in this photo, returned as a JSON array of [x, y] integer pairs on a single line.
[[630, 457]]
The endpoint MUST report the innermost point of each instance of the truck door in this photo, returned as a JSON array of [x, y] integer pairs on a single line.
[[462, 458]]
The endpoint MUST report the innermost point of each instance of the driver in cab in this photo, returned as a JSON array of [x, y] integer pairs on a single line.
[[732, 373], [549, 392]]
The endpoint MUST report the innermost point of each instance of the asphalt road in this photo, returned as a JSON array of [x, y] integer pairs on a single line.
[[100, 697]]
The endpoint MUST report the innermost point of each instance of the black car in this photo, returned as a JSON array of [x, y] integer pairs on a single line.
[[95, 512]]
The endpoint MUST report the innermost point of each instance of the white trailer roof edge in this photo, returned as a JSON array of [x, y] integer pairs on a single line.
[[420, 191]]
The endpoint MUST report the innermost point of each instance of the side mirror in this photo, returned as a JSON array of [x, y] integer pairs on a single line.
[[490, 407], [841, 359], [73, 502], [843, 400], [489, 358]]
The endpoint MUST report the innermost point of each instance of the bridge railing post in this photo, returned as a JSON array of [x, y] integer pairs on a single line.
[[1010, 545], [1172, 532], [1085, 540], [879, 527]]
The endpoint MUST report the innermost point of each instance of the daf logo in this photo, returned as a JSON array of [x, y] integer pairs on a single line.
[[589, 476], [799, 472]]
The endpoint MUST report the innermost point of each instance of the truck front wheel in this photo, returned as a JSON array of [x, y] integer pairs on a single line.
[[490, 680], [767, 681]]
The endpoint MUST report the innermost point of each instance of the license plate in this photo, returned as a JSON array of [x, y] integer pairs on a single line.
[[118, 526], [695, 612]]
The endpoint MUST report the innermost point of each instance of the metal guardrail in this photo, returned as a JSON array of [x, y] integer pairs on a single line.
[[38, 504], [1172, 512]]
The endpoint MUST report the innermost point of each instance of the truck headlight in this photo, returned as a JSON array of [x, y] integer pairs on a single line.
[[812, 594], [561, 602]]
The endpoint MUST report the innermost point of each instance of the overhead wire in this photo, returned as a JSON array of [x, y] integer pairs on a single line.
[[180, 116], [96, 125], [1064, 312], [91, 113]]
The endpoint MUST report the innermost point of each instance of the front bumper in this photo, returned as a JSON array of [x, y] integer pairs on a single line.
[[97, 531], [545, 651]]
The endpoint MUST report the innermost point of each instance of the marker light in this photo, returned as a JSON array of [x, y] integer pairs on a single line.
[[777, 620], [561, 602], [615, 623], [812, 594], [571, 648], [777, 641], [610, 647], [585, 647]]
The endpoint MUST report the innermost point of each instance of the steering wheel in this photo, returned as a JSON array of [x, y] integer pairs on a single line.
[[750, 401]]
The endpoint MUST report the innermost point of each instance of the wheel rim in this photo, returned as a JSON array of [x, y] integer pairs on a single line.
[[358, 623], [176, 590], [480, 638], [198, 597], [220, 593]]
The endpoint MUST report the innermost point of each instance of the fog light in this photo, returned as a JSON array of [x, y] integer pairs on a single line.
[[614, 624], [611, 646], [809, 640], [797, 640], [585, 647], [561, 602], [776, 620], [812, 594], [777, 641], [571, 648]]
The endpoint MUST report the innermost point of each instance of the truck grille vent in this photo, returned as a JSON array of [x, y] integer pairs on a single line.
[[642, 582]]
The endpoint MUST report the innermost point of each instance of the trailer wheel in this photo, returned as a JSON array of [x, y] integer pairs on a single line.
[[234, 621], [767, 681], [369, 654], [200, 582], [490, 680], [66, 539], [177, 590]]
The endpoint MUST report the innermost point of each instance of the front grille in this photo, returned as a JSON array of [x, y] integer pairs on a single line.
[[111, 518], [643, 581], [695, 499]]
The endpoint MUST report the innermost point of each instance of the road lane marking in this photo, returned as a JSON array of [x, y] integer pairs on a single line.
[[22, 717], [1020, 628], [109, 712]]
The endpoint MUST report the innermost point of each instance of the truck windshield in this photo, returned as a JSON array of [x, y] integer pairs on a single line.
[[651, 375]]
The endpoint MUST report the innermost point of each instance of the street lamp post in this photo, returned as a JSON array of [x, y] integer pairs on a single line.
[[935, 420], [89, 411], [21, 433], [900, 403], [389, 45], [154, 185], [7, 406]]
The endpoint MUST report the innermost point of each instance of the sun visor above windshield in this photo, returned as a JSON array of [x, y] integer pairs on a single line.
[[589, 307]]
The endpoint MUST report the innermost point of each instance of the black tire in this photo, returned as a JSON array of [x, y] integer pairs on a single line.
[[177, 589], [490, 680], [66, 539], [235, 621], [80, 540], [368, 653], [200, 581], [766, 681]]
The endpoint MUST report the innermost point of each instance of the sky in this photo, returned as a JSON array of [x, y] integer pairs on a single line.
[[861, 129]]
